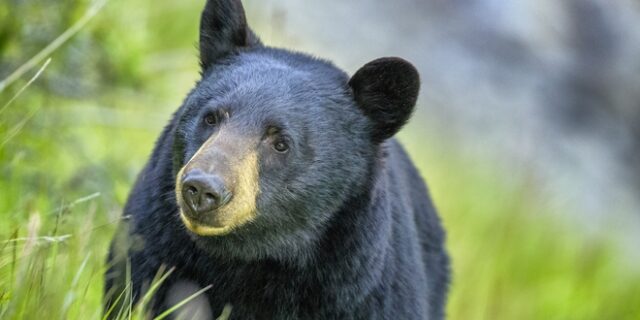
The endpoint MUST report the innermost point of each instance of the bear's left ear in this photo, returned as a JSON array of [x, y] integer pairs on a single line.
[[386, 90], [223, 30]]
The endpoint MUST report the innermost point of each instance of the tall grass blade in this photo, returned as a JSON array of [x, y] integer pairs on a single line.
[[18, 127], [54, 45], [36, 76], [182, 303]]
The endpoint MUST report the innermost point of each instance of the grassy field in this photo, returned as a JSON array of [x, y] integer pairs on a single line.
[[72, 143]]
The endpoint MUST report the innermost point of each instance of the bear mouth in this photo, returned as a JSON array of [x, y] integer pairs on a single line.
[[202, 228]]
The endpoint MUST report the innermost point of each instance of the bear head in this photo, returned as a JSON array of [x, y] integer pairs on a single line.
[[271, 144]]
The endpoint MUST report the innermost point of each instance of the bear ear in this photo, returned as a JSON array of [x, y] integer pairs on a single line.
[[223, 30], [386, 90]]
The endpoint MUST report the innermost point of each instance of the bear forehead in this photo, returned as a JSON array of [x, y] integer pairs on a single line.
[[264, 81], [278, 71]]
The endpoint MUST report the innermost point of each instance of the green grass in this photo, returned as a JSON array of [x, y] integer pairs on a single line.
[[75, 140], [514, 257]]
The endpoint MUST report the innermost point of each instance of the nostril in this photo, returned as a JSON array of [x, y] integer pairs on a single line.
[[190, 195], [211, 200], [211, 197]]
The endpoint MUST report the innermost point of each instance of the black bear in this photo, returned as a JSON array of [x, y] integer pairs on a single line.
[[278, 187]]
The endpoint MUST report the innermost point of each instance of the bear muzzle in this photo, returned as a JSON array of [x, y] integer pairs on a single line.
[[216, 190]]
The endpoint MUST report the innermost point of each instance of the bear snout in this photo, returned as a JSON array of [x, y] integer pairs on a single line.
[[216, 189], [203, 193]]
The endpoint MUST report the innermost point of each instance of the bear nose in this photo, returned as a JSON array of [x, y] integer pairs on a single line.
[[203, 192]]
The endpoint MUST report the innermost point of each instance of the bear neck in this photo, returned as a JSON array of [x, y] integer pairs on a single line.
[[358, 240]]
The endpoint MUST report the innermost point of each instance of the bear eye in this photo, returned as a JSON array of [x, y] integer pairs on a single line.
[[211, 119], [281, 146]]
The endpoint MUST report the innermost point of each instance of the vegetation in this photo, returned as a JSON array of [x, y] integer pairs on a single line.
[[72, 143]]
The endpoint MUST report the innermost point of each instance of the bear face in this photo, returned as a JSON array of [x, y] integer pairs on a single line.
[[269, 131], [271, 144]]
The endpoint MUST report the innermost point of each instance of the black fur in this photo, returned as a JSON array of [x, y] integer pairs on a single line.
[[345, 227], [386, 90], [223, 30]]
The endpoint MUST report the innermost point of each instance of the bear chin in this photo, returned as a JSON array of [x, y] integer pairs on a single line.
[[203, 230], [251, 243]]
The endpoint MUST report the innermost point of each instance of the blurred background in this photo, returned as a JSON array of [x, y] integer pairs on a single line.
[[527, 132]]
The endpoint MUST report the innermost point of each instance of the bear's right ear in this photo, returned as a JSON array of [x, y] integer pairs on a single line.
[[223, 30], [386, 91]]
